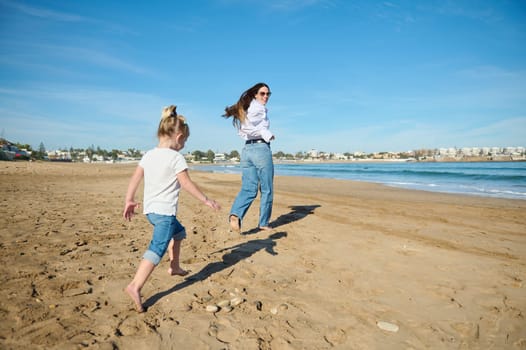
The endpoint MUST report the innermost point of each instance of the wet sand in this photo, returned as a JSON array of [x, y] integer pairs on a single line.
[[446, 271]]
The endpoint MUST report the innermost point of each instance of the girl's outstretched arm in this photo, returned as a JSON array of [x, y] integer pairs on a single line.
[[130, 204], [191, 187]]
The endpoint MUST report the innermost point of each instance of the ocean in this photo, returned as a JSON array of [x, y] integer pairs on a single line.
[[490, 179]]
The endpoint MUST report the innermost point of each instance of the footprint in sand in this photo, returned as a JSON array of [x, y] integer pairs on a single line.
[[224, 331], [133, 326], [335, 337]]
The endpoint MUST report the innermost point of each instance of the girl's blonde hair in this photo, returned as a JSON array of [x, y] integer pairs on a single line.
[[172, 122]]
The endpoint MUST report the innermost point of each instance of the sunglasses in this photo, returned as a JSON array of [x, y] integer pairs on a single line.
[[262, 93]]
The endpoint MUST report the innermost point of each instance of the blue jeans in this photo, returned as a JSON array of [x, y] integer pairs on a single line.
[[258, 174], [165, 227]]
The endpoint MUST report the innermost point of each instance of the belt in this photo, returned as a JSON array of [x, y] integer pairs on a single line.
[[248, 142]]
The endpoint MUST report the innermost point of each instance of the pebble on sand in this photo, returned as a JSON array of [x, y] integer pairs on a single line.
[[212, 308], [236, 301], [386, 326], [223, 303]]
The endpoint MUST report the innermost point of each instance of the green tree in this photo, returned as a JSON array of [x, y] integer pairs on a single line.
[[23, 146], [74, 153], [210, 155], [90, 151], [198, 155], [233, 154], [114, 154], [135, 153], [41, 153], [279, 154]]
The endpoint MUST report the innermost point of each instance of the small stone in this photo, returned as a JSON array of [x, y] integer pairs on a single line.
[[227, 309], [386, 326], [212, 308], [274, 310], [283, 307], [75, 292], [223, 303], [236, 301]]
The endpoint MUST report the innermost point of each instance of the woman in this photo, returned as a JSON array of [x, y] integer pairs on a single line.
[[250, 118]]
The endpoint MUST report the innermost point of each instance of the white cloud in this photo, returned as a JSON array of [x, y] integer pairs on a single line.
[[42, 12]]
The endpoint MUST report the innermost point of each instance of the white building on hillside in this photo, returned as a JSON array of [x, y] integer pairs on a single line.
[[219, 158]]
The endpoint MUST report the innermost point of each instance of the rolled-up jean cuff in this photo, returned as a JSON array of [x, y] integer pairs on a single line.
[[152, 257], [179, 236]]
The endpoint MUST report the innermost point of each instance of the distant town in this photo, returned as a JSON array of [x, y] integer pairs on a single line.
[[92, 154]]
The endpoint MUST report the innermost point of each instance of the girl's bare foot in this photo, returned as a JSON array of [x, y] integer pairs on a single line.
[[234, 223], [136, 297], [265, 228], [178, 271]]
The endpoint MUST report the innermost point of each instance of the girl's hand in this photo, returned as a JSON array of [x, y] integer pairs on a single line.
[[212, 204], [129, 210]]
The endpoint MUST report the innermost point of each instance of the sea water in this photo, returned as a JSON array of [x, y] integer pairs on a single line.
[[492, 179]]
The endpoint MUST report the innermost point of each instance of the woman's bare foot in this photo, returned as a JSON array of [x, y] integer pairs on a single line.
[[178, 271], [265, 228], [234, 223], [136, 297]]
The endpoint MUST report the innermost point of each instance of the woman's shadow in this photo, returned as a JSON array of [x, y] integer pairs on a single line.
[[297, 212], [237, 253]]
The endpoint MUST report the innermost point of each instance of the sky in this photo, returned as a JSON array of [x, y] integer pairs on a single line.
[[345, 75]]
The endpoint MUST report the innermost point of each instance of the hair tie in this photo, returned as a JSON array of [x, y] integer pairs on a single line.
[[168, 109]]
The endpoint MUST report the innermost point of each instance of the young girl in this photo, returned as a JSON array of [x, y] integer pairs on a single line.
[[164, 171]]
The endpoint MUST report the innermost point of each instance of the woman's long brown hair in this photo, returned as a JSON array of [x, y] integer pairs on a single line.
[[238, 111]]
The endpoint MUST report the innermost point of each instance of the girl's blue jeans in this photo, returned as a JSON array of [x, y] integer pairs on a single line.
[[257, 174], [165, 227]]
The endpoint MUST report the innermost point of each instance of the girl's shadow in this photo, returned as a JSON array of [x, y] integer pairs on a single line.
[[237, 253]]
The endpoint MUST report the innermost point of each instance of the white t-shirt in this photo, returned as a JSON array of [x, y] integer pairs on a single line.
[[161, 188]]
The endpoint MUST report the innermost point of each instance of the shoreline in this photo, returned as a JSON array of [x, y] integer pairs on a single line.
[[343, 258], [432, 180], [379, 161]]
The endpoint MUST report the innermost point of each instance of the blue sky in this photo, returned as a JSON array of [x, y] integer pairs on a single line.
[[346, 75]]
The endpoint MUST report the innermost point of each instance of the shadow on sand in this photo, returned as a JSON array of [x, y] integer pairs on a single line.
[[297, 212], [237, 253]]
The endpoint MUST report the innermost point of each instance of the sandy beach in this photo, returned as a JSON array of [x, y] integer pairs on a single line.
[[347, 265]]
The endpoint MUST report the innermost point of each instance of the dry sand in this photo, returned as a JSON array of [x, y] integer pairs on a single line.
[[448, 271]]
